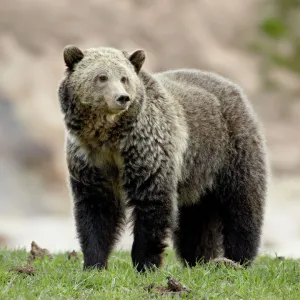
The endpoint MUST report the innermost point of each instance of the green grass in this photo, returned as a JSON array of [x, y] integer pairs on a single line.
[[60, 278]]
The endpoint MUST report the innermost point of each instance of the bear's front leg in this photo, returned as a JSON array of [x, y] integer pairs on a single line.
[[98, 216], [152, 194]]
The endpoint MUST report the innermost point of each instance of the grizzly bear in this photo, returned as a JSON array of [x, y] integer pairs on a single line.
[[183, 149]]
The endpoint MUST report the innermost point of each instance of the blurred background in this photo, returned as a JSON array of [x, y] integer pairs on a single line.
[[253, 42]]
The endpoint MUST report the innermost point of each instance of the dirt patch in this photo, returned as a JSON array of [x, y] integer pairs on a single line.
[[38, 252], [174, 287], [24, 270]]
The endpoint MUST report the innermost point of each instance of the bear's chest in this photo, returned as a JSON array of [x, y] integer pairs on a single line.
[[101, 133], [111, 166], [106, 158]]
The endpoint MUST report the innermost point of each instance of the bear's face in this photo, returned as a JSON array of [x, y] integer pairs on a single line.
[[105, 79]]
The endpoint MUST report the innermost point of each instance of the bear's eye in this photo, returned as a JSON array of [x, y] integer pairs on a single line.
[[124, 79], [102, 78]]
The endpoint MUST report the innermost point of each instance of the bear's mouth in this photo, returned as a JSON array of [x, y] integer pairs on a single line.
[[117, 111]]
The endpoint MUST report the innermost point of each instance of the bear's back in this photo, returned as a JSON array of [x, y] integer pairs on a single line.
[[205, 93]]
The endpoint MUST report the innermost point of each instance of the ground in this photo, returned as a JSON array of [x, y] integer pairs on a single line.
[[62, 278]]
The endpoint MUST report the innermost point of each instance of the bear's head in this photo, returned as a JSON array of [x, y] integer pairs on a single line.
[[103, 79]]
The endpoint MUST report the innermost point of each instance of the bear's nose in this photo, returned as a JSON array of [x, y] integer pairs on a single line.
[[123, 99]]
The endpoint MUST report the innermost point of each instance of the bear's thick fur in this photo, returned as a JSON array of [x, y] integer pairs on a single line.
[[182, 148]]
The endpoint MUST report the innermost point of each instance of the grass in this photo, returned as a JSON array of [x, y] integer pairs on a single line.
[[60, 278]]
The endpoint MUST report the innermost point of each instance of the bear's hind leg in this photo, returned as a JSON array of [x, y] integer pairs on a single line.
[[243, 197], [198, 235], [242, 222]]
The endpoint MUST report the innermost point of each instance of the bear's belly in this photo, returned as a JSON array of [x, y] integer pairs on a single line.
[[190, 190], [199, 170]]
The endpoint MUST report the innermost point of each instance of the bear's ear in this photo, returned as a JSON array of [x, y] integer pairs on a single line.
[[72, 55], [137, 58]]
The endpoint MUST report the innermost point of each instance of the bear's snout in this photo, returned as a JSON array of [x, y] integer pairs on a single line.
[[122, 99]]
